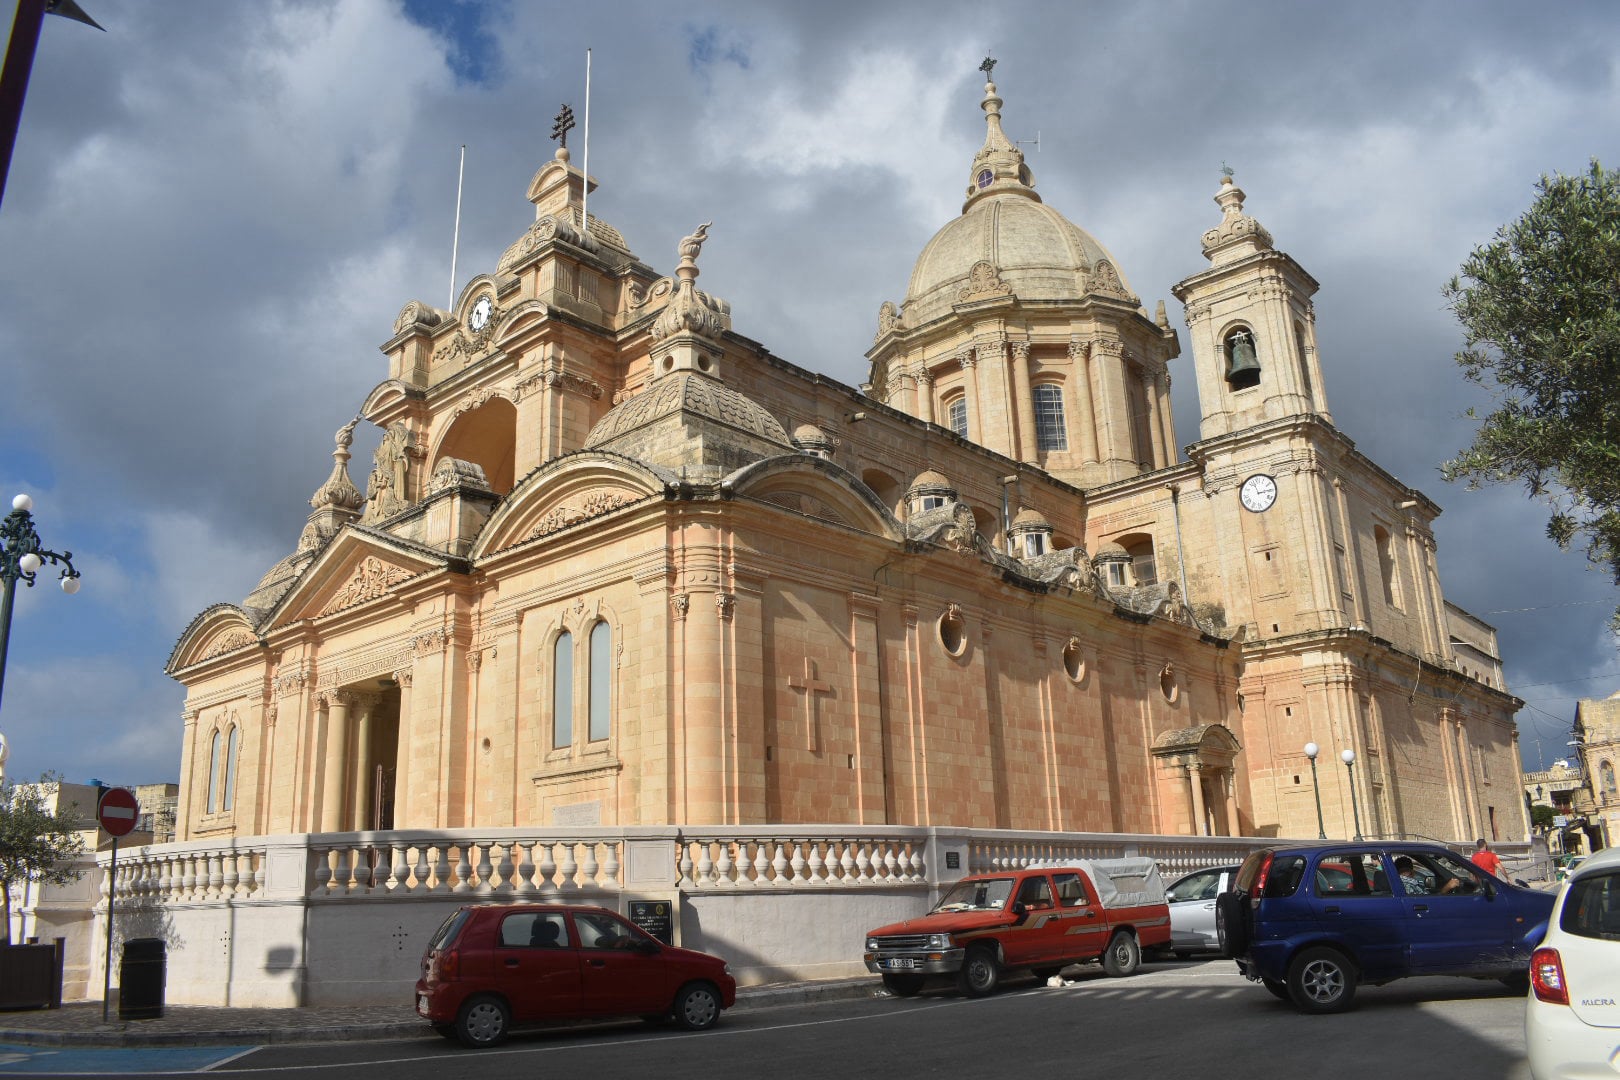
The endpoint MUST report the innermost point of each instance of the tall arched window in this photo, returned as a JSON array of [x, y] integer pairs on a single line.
[[562, 691], [601, 690], [956, 416], [1051, 433], [229, 798], [213, 773], [1606, 773]]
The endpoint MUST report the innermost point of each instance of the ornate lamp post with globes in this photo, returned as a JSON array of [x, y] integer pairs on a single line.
[[1311, 750], [1349, 759], [20, 559]]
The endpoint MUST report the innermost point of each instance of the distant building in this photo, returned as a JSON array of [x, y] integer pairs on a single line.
[[618, 564], [1597, 741], [1562, 789]]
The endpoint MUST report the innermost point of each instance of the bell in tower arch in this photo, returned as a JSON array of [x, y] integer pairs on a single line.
[[1242, 368]]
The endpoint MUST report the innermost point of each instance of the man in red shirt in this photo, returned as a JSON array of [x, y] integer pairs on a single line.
[[1486, 859]]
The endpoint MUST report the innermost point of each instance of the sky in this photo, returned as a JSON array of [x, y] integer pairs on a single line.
[[216, 210]]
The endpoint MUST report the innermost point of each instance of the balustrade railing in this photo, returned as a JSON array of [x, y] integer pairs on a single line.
[[551, 863]]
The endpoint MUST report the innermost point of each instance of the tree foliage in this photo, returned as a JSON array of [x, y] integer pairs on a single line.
[[36, 843], [1541, 816], [1540, 309]]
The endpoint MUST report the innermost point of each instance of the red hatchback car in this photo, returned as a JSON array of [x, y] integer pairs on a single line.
[[490, 966]]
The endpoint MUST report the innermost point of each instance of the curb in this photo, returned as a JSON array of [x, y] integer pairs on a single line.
[[748, 999]]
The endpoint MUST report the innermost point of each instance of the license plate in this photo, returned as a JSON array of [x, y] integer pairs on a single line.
[[900, 964]]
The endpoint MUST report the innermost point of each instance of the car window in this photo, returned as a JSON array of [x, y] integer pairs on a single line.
[[1435, 873], [446, 934], [1070, 892], [1284, 876], [538, 930], [601, 931], [1352, 874], [1592, 908], [988, 894], [1200, 886], [1035, 892]]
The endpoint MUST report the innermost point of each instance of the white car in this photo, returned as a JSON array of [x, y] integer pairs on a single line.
[[1192, 909], [1572, 1023]]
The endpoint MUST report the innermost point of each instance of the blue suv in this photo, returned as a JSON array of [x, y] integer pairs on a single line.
[[1312, 923]]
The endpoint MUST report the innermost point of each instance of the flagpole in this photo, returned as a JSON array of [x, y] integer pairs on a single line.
[[455, 243], [585, 200]]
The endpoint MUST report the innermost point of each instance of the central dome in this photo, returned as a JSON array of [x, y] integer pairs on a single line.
[[1037, 252], [1007, 242]]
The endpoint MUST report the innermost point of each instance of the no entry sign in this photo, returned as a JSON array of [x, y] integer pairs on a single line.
[[117, 811]]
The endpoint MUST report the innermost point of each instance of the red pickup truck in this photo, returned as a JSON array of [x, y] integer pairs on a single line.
[[1039, 918]]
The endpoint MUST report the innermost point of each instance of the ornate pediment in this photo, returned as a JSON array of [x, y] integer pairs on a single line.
[[371, 579], [581, 507]]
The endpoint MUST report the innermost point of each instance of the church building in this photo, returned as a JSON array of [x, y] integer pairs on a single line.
[[617, 564]]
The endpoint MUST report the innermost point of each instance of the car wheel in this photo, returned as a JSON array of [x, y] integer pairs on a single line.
[[446, 1031], [1231, 929], [697, 1007], [1321, 980], [903, 985], [483, 1022], [980, 972], [1278, 988], [1123, 956]]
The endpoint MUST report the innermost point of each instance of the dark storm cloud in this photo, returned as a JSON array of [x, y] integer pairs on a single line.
[[216, 211]]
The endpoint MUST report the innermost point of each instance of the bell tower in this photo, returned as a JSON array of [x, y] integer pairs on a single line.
[[1253, 327]]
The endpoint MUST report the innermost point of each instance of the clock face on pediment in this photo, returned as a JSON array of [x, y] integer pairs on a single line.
[[1258, 493], [478, 318]]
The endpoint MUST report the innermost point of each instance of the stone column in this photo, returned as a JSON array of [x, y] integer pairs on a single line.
[[1115, 432], [402, 753], [188, 780], [1195, 781], [1228, 778], [1025, 445], [1150, 391], [337, 704], [974, 392], [1080, 393], [1166, 418], [925, 394], [366, 706]]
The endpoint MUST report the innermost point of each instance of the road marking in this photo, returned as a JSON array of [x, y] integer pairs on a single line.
[[113, 1061]]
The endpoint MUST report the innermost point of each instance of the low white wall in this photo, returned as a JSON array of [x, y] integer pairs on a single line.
[[343, 919]]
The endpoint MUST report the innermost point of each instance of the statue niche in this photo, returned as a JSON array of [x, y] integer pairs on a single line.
[[390, 471]]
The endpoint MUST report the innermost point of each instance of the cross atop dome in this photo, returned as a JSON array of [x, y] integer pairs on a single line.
[[998, 167]]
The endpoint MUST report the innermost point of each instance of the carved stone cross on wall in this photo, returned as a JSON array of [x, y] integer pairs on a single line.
[[811, 685]]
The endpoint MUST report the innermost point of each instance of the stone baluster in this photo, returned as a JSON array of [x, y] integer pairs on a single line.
[[705, 866], [816, 865], [797, 863], [592, 868], [610, 865], [548, 867], [568, 869], [685, 865], [506, 870], [441, 868], [484, 866]]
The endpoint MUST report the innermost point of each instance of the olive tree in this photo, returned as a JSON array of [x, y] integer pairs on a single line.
[[36, 843], [1540, 310]]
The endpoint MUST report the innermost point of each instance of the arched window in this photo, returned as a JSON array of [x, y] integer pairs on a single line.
[[601, 689], [1144, 567], [956, 416], [1606, 773], [1242, 364], [213, 773], [229, 798], [562, 691], [1050, 431]]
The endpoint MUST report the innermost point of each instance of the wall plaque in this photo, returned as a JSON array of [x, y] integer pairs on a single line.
[[657, 917]]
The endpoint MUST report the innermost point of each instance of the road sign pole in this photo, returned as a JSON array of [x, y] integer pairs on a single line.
[[112, 896]]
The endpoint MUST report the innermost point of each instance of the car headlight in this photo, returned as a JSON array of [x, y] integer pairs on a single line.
[[939, 941], [871, 945]]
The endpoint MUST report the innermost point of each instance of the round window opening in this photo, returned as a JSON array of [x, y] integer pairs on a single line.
[[1167, 683], [953, 632], [1074, 661], [703, 363], [486, 746], [669, 363]]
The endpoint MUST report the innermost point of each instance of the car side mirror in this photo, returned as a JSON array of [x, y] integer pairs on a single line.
[[1490, 888], [646, 947], [1019, 910]]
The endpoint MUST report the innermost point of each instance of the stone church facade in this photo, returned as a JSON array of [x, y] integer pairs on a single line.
[[616, 564]]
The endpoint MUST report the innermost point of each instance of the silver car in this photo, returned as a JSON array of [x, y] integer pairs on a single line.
[[1192, 909]]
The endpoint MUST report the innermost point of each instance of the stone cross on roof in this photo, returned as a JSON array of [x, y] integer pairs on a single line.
[[563, 124]]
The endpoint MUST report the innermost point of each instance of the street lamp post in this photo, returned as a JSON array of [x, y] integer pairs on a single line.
[[1349, 759], [20, 559], [1311, 750]]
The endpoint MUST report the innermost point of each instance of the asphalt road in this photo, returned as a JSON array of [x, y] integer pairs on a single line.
[[1158, 1024]]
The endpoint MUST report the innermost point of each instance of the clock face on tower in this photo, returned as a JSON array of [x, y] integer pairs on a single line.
[[1258, 493], [479, 318]]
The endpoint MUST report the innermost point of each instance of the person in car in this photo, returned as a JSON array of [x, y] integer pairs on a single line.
[[1413, 882]]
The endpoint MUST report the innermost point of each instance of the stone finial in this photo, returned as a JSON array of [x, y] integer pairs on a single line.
[[688, 249], [339, 492], [690, 311], [1238, 234]]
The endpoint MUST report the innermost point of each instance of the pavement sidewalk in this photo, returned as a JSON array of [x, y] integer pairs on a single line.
[[79, 1023]]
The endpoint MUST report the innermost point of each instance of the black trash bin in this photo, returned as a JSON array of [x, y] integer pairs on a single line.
[[140, 979]]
